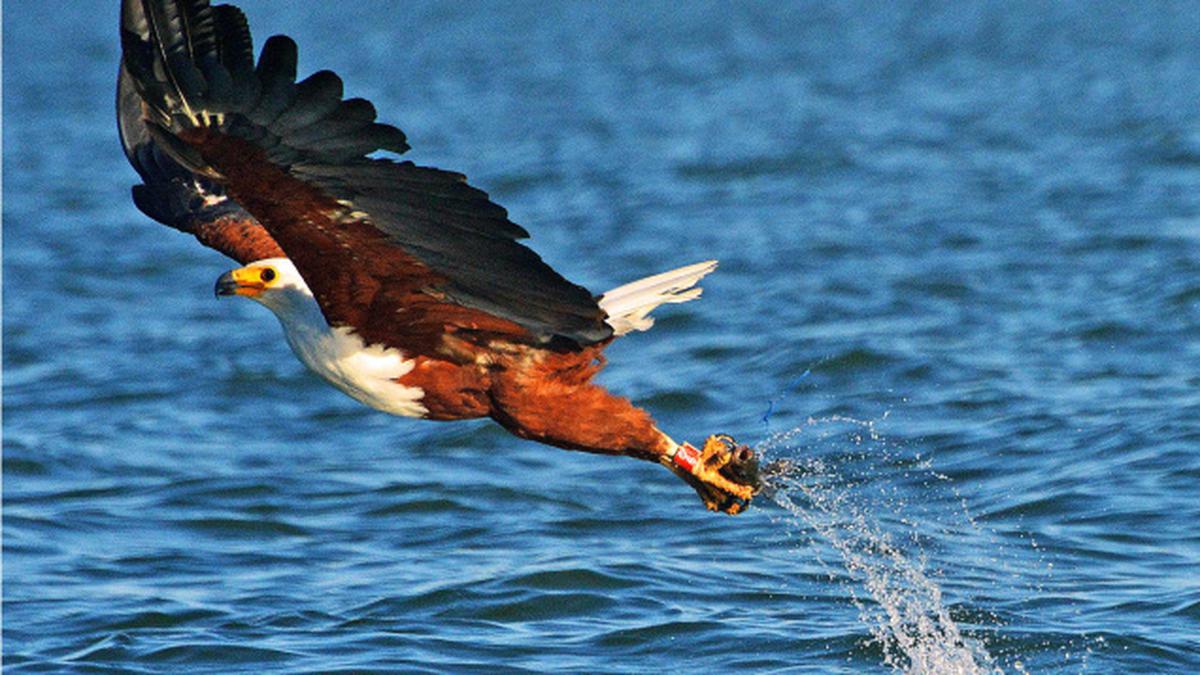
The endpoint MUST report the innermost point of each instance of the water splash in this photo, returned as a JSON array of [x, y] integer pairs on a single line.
[[850, 509]]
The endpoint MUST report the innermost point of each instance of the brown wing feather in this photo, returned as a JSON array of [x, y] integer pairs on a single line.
[[243, 239], [359, 278]]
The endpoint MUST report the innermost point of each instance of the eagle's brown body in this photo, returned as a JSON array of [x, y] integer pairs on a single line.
[[469, 363]]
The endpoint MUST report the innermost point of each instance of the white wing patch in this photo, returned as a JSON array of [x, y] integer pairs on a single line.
[[371, 374], [367, 374]]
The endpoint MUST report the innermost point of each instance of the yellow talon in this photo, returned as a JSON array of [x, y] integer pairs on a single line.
[[717, 451], [703, 471]]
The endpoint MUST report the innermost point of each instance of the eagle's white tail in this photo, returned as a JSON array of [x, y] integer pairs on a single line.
[[629, 306]]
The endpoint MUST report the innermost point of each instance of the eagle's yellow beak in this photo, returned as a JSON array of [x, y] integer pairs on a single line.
[[245, 281]]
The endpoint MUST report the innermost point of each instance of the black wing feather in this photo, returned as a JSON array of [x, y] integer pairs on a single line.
[[179, 198], [317, 97], [276, 74]]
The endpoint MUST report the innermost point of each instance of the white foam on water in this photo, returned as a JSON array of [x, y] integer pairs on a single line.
[[850, 509]]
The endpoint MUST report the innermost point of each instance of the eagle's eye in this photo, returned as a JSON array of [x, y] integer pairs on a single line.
[[267, 275]]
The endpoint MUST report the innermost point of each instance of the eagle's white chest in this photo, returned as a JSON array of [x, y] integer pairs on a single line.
[[367, 374]]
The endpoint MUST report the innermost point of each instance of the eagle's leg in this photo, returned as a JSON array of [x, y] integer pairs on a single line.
[[585, 416]]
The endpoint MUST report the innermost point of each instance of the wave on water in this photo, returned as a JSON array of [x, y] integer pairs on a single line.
[[821, 476]]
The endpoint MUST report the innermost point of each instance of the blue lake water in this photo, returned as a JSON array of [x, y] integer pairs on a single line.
[[960, 291]]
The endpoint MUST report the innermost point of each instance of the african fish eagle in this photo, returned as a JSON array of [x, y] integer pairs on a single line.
[[399, 284]]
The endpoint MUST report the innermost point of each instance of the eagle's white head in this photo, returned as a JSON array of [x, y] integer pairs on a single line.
[[272, 282]]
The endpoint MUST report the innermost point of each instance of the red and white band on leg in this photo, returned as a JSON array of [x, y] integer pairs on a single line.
[[686, 456]]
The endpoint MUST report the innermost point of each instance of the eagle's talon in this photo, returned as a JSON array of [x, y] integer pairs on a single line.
[[724, 474]]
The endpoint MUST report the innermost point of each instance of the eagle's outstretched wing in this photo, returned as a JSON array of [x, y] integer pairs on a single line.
[[403, 254], [175, 196]]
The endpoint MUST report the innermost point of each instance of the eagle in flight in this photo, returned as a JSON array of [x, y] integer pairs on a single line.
[[401, 285]]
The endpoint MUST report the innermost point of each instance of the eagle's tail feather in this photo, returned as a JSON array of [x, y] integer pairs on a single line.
[[629, 306]]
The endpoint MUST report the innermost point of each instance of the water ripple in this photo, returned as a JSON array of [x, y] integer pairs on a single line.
[[959, 250]]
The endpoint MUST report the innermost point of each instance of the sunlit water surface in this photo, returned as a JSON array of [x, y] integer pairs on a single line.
[[959, 292]]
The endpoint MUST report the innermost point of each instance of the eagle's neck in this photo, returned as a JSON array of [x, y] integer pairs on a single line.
[[367, 373]]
